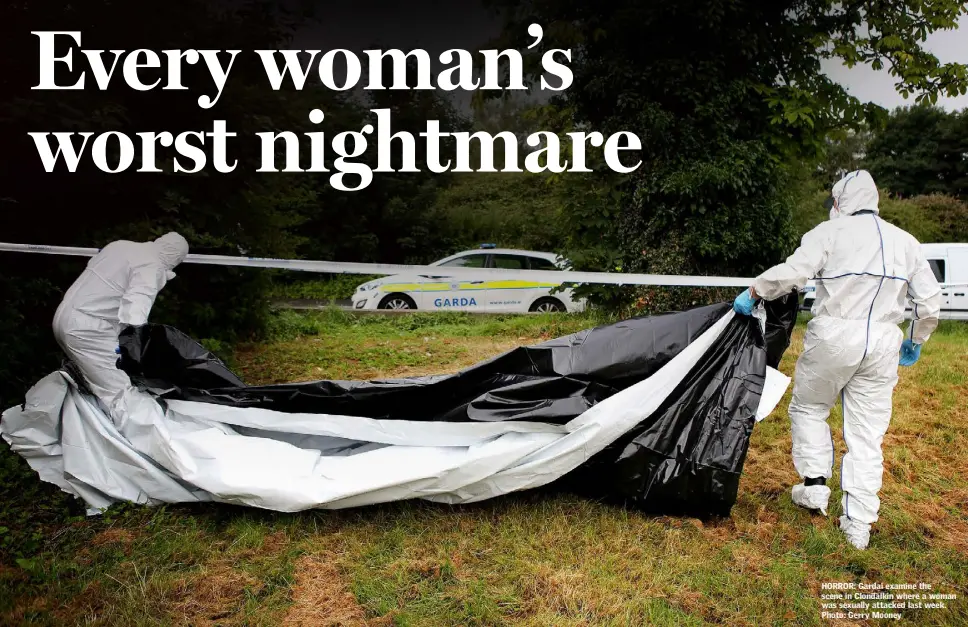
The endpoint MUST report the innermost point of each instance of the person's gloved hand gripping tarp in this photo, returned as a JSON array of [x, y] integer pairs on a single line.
[[745, 302], [865, 270], [118, 287]]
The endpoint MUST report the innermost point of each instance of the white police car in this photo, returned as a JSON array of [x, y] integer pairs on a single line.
[[440, 292]]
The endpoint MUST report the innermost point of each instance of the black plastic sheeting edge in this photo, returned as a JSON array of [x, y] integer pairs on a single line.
[[684, 458]]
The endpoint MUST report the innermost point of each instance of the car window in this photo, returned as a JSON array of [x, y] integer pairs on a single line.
[[539, 263], [937, 265], [467, 261], [510, 262]]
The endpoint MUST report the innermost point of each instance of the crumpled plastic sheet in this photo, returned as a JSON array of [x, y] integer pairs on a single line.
[[652, 412]]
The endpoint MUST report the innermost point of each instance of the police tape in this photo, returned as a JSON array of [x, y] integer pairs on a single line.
[[387, 269]]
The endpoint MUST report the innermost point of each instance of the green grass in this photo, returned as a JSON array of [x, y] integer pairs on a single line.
[[338, 344], [288, 324], [528, 558]]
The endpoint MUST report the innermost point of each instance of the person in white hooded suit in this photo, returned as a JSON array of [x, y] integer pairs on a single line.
[[865, 270], [117, 288]]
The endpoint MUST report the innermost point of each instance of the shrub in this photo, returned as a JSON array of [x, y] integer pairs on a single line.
[[931, 218], [950, 214], [331, 287]]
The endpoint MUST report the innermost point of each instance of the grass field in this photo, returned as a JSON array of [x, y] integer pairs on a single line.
[[522, 559]]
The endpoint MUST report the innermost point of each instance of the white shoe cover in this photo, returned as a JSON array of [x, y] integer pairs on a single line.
[[858, 533], [812, 497]]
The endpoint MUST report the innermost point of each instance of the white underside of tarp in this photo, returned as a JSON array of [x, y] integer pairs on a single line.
[[289, 462]]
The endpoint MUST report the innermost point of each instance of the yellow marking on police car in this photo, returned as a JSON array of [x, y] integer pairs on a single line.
[[518, 285], [465, 286], [415, 287]]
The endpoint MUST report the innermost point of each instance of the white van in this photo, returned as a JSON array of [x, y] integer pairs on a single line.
[[950, 265]]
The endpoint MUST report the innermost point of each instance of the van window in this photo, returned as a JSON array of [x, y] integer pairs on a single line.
[[509, 262], [467, 261], [937, 265], [539, 263]]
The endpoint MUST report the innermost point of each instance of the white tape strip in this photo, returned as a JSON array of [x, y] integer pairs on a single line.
[[342, 267], [338, 267]]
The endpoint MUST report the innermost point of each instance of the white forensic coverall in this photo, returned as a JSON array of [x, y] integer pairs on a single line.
[[117, 288], [865, 269]]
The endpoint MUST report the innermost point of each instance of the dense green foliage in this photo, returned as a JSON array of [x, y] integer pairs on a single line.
[[321, 287], [725, 95], [223, 213], [845, 152], [388, 221], [921, 150], [279, 215], [929, 218], [512, 210]]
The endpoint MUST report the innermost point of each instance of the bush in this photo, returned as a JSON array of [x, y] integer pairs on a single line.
[[26, 341], [929, 218], [221, 303], [508, 209], [332, 287], [809, 210], [932, 218], [289, 325], [950, 214]]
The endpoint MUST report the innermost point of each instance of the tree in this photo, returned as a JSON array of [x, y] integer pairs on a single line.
[[845, 152], [956, 154], [723, 94], [509, 209], [388, 221], [921, 150], [515, 113], [218, 213]]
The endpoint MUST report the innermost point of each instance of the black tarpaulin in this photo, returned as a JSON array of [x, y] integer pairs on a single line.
[[685, 457]]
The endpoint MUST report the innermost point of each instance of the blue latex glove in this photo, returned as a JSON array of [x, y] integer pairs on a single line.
[[744, 303], [910, 353]]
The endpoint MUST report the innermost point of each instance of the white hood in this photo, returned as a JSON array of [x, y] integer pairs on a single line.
[[172, 249], [855, 192]]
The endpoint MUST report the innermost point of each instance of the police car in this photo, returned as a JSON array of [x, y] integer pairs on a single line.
[[443, 292]]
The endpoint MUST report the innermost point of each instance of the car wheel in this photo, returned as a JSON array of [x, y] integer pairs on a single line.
[[397, 301], [547, 305]]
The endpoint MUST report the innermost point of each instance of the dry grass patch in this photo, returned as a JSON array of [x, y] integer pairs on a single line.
[[321, 596], [561, 590], [23, 609], [86, 607], [114, 536], [458, 354], [939, 525], [212, 596]]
